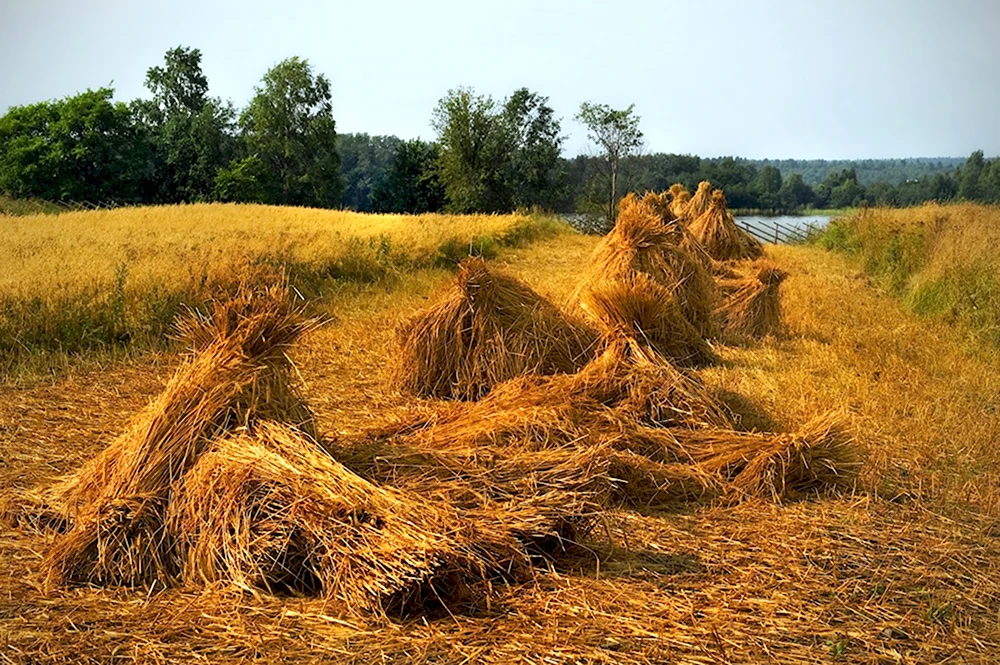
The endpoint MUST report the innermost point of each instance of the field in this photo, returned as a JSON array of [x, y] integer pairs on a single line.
[[113, 280], [902, 569]]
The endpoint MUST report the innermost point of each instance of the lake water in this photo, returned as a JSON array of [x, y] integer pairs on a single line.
[[796, 221], [763, 225], [781, 228]]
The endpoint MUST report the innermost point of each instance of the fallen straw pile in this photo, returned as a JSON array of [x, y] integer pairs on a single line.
[[489, 328], [641, 243], [752, 304], [716, 231], [222, 479], [628, 428]]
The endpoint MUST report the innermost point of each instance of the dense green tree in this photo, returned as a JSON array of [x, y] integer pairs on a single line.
[[289, 126], [533, 146], [364, 161], [767, 188], [411, 185], [473, 160], [989, 182], [191, 133], [969, 177], [81, 148], [617, 134], [795, 193]]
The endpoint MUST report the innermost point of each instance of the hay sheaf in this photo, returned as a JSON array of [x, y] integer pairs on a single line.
[[236, 372], [822, 454], [579, 437], [239, 376], [752, 304], [221, 480], [716, 231], [699, 203], [680, 197], [638, 307], [642, 243], [271, 510], [659, 202], [489, 328]]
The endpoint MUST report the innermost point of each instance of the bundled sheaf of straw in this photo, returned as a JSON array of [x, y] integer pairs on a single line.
[[659, 202], [680, 197], [238, 375], [699, 203], [638, 307], [641, 243], [752, 304], [601, 436], [489, 328], [716, 231], [272, 510]]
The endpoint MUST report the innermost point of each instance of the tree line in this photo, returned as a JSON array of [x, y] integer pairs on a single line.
[[184, 145]]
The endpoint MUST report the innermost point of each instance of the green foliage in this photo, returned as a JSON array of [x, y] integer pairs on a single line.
[[191, 133], [533, 147], [767, 187], [412, 184], [80, 148], [617, 134], [470, 150], [289, 126], [495, 158], [241, 182], [364, 162], [795, 194]]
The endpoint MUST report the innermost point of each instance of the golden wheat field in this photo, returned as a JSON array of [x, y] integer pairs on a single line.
[[901, 565], [47, 255], [104, 281]]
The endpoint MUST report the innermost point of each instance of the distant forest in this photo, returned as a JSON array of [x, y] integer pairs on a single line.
[[869, 171], [488, 155]]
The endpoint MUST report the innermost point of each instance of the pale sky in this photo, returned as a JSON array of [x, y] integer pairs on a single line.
[[770, 78]]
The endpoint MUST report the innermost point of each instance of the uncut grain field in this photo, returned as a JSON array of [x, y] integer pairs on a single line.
[[900, 563]]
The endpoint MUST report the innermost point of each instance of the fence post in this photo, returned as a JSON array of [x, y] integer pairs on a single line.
[[776, 233]]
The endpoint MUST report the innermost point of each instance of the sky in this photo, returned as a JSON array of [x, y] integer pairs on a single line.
[[809, 79]]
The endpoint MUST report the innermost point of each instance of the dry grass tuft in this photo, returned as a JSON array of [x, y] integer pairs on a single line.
[[716, 231], [489, 328], [752, 304]]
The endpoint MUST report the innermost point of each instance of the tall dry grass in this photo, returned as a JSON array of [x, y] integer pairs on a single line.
[[941, 260], [116, 278]]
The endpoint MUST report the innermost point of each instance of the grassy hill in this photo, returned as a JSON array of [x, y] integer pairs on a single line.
[[940, 260], [904, 569]]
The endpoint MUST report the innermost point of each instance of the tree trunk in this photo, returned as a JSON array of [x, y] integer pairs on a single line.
[[614, 187]]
